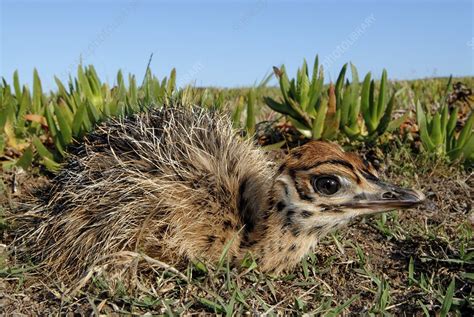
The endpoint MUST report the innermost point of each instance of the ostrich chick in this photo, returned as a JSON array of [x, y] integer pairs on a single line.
[[178, 184]]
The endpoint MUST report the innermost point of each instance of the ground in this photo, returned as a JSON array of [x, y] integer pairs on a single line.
[[414, 262]]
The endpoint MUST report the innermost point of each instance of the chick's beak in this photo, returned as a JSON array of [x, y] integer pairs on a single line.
[[387, 197], [397, 197]]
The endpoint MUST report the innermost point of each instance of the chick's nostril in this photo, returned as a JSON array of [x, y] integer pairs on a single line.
[[389, 195]]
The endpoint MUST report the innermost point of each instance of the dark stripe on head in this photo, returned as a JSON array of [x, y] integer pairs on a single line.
[[369, 176], [296, 154], [306, 214], [337, 162], [299, 188]]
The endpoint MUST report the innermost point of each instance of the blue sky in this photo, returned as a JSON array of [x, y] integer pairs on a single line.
[[234, 43]]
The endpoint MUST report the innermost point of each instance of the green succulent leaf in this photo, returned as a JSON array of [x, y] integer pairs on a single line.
[[250, 123], [280, 107], [382, 95], [65, 123], [37, 102], [364, 99], [318, 123], [395, 124], [387, 116], [340, 79], [52, 126], [451, 125], [436, 133], [355, 104], [171, 85], [301, 127], [274, 146], [332, 125], [17, 86], [466, 132], [26, 159], [423, 126], [351, 132], [345, 106], [237, 113], [79, 120], [40, 148], [468, 149]]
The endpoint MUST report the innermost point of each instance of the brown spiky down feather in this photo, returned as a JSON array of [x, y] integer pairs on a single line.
[[178, 183], [165, 183]]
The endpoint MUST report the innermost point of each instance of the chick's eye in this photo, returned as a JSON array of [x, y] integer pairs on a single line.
[[326, 185]]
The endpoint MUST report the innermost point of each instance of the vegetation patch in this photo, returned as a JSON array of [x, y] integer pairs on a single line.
[[417, 133]]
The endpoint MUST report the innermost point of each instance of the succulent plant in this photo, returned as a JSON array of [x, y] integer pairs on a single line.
[[36, 125], [439, 135], [353, 109]]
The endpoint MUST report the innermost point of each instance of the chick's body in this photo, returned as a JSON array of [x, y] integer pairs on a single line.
[[166, 183], [178, 183]]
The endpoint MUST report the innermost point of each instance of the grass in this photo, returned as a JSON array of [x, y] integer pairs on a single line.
[[412, 262], [418, 262]]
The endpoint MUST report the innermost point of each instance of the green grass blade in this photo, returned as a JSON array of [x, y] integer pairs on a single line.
[[448, 299]]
